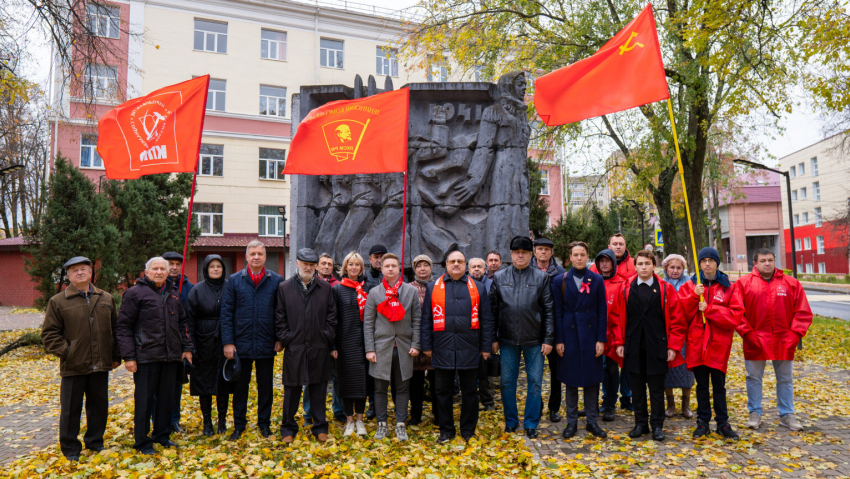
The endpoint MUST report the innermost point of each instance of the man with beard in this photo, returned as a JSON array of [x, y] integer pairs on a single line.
[[305, 326]]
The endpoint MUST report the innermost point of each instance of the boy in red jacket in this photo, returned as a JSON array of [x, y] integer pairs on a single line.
[[776, 316], [711, 326]]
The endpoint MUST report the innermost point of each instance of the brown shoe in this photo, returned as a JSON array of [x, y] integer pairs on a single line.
[[288, 439], [322, 437], [670, 411], [686, 412]]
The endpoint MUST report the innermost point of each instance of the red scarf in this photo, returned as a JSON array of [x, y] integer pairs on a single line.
[[361, 296], [256, 278], [438, 303], [391, 307]]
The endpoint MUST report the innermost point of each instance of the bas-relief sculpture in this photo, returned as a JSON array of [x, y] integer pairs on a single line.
[[467, 178]]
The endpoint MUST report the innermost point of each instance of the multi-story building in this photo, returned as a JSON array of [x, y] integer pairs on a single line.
[[258, 55], [584, 190], [820, 175]]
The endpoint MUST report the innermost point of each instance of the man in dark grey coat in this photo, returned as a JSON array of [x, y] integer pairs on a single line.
[[305, 324], [457, 330]]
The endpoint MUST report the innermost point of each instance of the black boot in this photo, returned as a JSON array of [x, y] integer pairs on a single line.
[[206, 412], [222, 425], [208, 426]]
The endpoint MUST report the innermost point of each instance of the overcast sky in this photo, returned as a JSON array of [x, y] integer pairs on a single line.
[[802, 127]]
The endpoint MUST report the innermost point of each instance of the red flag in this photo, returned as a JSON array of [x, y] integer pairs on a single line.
[[157, 133], [367, 135], [625, 73]]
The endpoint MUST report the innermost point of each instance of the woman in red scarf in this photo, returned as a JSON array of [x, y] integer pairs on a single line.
[[350, 351]]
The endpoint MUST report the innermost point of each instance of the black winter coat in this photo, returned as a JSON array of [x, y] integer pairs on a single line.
[[203, 307], [305, 323], [374, 277], [351, 364], [458, 346], [152, 327], [523, 308]]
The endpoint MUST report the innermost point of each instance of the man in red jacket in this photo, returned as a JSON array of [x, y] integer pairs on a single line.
[[713, 310], [776, 317], [625, 263]]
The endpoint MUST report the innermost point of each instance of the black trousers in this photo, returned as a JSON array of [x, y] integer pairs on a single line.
[[153, 379], [95, 388], [265, 372], [611, 379], [655, 383], [445, 379], [555, 386], [591, 404], [417, 395], [292, 399], [352, 406], [718, 382], [220, 403]]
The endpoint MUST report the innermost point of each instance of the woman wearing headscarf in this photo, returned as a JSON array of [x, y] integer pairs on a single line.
[[678, 377], [350, 297], [203, 308]]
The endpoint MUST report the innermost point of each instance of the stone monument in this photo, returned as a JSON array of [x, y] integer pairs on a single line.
[[467, 177]]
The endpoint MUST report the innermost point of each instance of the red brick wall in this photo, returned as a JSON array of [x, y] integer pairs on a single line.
[[16, 288]]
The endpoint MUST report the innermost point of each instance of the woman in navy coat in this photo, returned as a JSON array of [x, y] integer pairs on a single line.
[[581, 315]]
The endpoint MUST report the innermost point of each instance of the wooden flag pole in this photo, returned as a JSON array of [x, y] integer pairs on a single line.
[[685, 194]]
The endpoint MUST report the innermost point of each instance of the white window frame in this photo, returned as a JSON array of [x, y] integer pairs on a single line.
[[807, 242], [816, 191], [100, 82], [439, 71], [217, 38], [211, 219], [276, 46], [798, 244], [820, 244], [275, 219], [822, 268], [818, 217], [331, 57], [544, 176], [103, 20], [792, 171], [276, 100], [801, 169], [210, 159], [214, 97], [814, 166], [809, 268], [386, 62], [805, 218], [278, 166], [92, 151], [793, 195], [799, 268], [804, 194]]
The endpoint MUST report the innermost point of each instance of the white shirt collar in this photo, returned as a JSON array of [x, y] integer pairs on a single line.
[[647, 282]]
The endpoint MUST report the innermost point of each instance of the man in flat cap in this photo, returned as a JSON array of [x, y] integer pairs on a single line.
[[305, 325], [523, 315], [79, 328], [247, 327], [374, 276], [543, 260], [182, 284]]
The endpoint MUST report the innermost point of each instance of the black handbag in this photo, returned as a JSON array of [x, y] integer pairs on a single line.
[[491, 367]]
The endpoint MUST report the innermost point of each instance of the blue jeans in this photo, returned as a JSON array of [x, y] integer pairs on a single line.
[[510, 356], [784, 371], [336, 404]]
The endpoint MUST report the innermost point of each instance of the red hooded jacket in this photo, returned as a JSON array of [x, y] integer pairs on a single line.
[[675, 320], [616, 314], [625, 267], [710, 343], [776, 316]]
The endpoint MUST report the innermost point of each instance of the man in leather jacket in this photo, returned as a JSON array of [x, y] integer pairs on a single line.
[[523, 314]]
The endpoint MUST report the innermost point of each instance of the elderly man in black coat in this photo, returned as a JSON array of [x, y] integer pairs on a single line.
[[305, 323], [456, 328], [153, 337]]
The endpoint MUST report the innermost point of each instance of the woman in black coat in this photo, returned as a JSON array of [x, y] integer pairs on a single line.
[[203, 308], [350, 354]]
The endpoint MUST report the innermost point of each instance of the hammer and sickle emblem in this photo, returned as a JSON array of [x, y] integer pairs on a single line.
[[438, 310], [626, 47]]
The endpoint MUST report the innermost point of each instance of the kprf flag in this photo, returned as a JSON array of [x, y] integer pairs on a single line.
[[625, 73], [157, 133], [367, 135]]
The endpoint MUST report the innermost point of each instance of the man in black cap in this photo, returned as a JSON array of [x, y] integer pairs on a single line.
[[523, 316], [543, 260], [305, 325], [373, 274], [79, 328], [175, 266]]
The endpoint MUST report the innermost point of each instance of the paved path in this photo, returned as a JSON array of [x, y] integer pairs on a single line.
[[9, 321]]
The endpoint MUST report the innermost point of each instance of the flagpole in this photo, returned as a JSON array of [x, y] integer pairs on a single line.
[[192, 196], [685, 194], [403, 220]]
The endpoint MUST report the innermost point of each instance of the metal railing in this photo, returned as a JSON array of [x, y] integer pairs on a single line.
[[410, 14]]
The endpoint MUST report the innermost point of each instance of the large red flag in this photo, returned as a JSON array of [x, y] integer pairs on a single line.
[[625, 73], [157, 133], [367, 135]]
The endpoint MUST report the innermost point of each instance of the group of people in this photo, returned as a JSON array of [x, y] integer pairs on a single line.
[[616, 324]]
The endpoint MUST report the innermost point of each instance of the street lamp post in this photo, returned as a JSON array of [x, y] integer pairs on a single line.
[[642, 212], [787, 176], [282, 211]]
